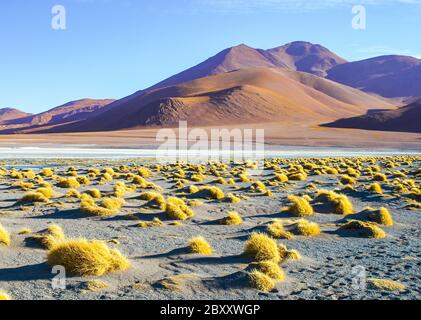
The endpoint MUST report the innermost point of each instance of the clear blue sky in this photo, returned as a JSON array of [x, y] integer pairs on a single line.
[[112, 48]]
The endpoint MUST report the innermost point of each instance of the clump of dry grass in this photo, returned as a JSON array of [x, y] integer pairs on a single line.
[[261, 247], [210, 192], [4, 236], [364, 229], [73, 193], [47, 172], [381, 216], [87, 258], [385, 284], [96, 285], [199, 245], [261, 281], [108, 207], [34, 197], [156, 222], [269, 268], [231, 198], [277, 230], [345, 179], [51, 236], [375, 188], [95, 193], [4, 296], [177, 209], [25, 231], [233, 218], [287, 254], [68, 183], [154, 198], [306, 228], [300, 207]]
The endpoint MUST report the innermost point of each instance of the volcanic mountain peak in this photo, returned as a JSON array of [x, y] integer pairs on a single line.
[[306, 57]]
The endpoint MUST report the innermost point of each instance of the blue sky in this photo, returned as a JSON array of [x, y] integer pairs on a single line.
[[112, 48]]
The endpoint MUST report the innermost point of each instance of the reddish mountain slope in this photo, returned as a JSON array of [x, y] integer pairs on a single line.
[[243, 96]]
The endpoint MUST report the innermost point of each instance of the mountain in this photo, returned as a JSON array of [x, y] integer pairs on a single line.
[[250, 95], [7, 114], [299, 56], [306, 57], [70, 112], [404, 119], [388, 76]]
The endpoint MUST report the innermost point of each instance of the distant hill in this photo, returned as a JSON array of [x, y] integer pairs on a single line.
[[7, 114], [405, 119], [388, 76], [70, 112], [244, 96]]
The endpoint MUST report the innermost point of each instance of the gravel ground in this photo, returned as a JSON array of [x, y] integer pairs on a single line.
[[326, 271]]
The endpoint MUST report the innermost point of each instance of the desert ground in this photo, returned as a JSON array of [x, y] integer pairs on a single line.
[[304, 228], [276, 134]]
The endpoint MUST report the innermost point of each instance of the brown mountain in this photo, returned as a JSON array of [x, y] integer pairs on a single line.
[[299, 56], [306, 57], [405, 119], [388, 76], [244, 96], [68, 113], [7, 114]]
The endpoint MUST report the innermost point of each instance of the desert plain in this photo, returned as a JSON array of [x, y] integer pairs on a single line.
[[290, 228]]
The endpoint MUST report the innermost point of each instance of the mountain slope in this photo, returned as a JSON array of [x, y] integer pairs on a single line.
[[243, 96], [405, 119], [7, 114], [70, 112], [298, 56], [306, 57], [388, 76]]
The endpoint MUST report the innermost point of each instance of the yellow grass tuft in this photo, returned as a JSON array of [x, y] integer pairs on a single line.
[[286, 254], [87, 258], [233, 218], [4, 236], [261, 281], [95, 193], [50, 237], [261, 247], [4, 296], [25, 231], [156, 222], [387, 285], [270, 268], [306, 228], [364, 229], [73, 193], [277, 230], [231, 198], [68, 183], [375, 188], [300, 207], [34, 197], [342, 205], [381, 216], [199, 245]]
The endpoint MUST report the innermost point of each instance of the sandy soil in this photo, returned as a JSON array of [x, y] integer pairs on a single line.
[[157, 253], [276, 135]]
